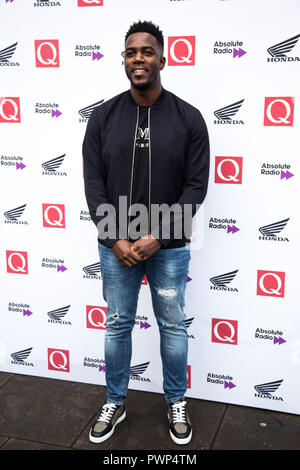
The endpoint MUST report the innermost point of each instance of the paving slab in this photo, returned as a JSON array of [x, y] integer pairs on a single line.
[[19, 444], [245, 428], [4, 377], [47, 410]]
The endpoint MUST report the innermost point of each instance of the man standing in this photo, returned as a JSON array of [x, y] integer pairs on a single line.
[[149, 148]]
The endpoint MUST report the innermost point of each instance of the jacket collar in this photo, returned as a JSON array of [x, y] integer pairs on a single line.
[[157, 102]]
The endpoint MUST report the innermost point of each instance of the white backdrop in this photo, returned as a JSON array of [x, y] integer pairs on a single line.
[[57, 59]]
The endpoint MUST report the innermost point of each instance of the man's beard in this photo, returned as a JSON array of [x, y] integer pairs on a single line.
[[143, 85]]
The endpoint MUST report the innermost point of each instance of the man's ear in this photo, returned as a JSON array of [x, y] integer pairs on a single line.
[[162, 62]]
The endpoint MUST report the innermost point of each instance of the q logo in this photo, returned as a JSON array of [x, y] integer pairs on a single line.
[[58, 359], [224, 331], [181, 50], [228, 170], [279, 111], [96, 317], [270, 283], [54, 215], [10, 109], [46, 53], [90, 3], [17, 262]]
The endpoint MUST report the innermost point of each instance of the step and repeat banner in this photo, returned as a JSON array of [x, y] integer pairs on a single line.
[[238, 62]]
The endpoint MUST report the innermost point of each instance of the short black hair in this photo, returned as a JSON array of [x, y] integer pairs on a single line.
[[146, 27]]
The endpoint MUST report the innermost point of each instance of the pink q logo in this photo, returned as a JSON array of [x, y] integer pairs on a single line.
[[224, 331], [17, 262], [10, 109], [270, 283], [58, 359], [54, 215], [228, 170], [181, 50], [279, 111], [46, 53], [90, 3], [96, 317]]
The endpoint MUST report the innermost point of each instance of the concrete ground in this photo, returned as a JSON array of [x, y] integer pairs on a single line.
[[47, 414]]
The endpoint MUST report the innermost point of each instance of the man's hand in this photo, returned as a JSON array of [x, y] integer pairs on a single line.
[[122, 249], [146, 247]]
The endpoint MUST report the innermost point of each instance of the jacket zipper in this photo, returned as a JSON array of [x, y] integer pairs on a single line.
[[149, 176], [132, 167]]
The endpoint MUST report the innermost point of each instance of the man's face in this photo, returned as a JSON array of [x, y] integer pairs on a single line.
[[143, 60]]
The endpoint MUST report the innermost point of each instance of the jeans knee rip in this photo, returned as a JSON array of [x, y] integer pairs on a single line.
[[167, 294]]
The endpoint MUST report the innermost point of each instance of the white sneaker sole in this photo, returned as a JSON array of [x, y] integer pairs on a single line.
[[98, 440], [185, 440]]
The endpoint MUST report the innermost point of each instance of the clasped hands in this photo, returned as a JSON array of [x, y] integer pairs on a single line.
[[129, 254]]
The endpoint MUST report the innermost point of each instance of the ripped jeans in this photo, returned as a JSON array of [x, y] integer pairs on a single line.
[[166, 273]]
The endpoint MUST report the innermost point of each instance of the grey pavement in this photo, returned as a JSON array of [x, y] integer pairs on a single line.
[[48, 414]]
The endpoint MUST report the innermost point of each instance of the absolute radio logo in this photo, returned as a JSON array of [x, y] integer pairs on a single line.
[[270, 232], [12, 216], [95, 363], [221, 379], [90, 3], [221, 282], [85, 215], [10, 109], [17, 262], [224, 331], [46, 53], [279, 111], [270, 335], [20, 307], [279, 51], [47, 109], [270, 283], [58, 264], [59, 359], [277, 169], [227, 224], [225, 115], [54, 215], [91, 51], [12, 161], [96, 317], [51, 167], [181, 50], [228, 170], [233, 48], [142, 322], [6, 54]]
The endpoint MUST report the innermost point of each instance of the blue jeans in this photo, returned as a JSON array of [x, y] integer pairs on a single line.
[[166, 273]]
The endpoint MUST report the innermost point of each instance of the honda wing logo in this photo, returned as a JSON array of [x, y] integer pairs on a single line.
[[272, 230], [59, 313], [223, 279], [14, 214], [92, 269], [282, 48], [7, 53], [138, 370], [20, 356], [54, 164], [266, 390], [226, 113], [85, 113]]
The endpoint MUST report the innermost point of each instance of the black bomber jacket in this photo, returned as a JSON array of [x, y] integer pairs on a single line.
[[178, 160]]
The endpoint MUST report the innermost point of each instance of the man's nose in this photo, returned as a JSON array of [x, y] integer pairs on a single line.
[[139, 57]]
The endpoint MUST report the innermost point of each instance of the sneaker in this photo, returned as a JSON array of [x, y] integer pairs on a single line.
[[180, 424], [106, 422]]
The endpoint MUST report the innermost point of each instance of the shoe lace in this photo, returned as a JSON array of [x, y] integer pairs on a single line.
[[107, 412], [178, 412]]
